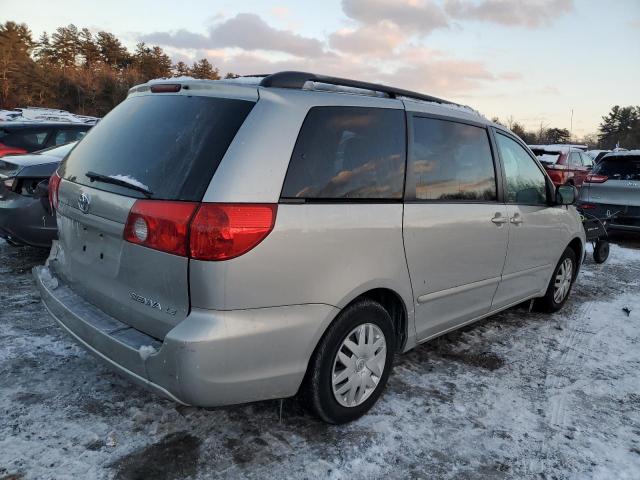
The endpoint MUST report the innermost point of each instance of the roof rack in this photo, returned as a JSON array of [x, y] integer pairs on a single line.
[[297, 80]]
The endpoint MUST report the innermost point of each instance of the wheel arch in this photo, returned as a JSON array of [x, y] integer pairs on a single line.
[[578, 247]]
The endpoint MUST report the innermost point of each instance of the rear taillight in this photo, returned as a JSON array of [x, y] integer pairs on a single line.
[[587, 206], [160, 225], [594, 178], [223, 231], [54, 187], [207, 231]]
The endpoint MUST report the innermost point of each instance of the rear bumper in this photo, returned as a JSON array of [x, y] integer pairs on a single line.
[[24, 220], [211, 358], [623, 217]]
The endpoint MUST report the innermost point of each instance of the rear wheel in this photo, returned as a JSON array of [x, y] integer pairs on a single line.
[[351, 365], [560, 283]]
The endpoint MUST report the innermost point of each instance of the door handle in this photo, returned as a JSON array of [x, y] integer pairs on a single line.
[[516, 219], [498, 219]]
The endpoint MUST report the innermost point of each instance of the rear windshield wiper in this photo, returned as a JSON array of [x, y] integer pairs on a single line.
[[93, 176]]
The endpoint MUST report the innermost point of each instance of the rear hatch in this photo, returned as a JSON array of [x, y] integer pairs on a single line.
[[155, 147], [614, 185]]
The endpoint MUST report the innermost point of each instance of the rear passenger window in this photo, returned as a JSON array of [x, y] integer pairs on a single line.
[[450, 161], [574, 159], [348, 152]]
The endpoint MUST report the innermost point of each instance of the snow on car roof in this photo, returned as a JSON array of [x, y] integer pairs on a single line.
[[558, 148], [39, 114], [625, 153]]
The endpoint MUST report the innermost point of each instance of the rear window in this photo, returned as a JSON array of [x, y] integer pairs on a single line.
[[348, 153], [29, 139], [625, 167], [550, 158], [168, 144], [68, 135]]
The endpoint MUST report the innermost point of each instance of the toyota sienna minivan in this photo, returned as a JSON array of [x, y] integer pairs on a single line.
[[224, 242]]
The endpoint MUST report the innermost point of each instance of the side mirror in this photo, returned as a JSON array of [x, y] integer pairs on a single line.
[[566, 195]]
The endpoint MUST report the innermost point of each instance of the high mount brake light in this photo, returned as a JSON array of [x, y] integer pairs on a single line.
[[595, 178], [207, 231], [166, 88], [54, 188]]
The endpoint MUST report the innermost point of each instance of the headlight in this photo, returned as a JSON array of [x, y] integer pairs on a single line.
[[9, 182]]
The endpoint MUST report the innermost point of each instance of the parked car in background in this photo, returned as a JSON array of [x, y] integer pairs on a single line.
[[596, 155], [613, 189], [565, 164], [280, 237], [25, 214], [30, 136]]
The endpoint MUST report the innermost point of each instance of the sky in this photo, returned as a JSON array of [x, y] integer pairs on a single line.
[[530, 61]]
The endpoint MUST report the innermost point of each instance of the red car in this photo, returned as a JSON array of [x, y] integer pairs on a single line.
[[565, 164]]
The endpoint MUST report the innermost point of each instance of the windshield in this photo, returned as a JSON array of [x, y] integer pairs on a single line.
[[169, 144]]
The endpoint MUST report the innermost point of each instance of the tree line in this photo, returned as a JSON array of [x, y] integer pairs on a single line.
[[620, 127], [76, 70]]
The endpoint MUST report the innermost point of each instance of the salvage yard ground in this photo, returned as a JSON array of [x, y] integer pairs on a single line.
[[517, 395]]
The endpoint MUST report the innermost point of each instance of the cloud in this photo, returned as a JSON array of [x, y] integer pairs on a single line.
[[246, 31], [414, 16], [429, 73], [178, 39], [278, 11], [441, 77], [378, 47], [249, 32], [376, 39], [528, 13]]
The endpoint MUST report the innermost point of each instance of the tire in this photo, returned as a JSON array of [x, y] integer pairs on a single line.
[[551, 302], [601, 251], [319, 392]]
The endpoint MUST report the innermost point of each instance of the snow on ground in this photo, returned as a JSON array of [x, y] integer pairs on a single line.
[[518, 395]]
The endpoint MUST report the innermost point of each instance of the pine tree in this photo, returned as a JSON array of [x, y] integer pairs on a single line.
[[181, 69], [89, 49], [16, 64], [203, 69], [112, 52], [620, 127], [65, 44]]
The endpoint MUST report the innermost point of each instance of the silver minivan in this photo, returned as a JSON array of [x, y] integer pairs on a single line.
[[224, 242]]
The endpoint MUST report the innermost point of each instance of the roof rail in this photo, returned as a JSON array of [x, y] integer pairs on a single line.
[[296, 80]]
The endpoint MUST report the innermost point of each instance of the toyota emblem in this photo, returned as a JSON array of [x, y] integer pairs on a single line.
[[84, 200]]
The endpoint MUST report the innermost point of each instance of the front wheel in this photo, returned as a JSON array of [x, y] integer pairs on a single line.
[[560, 283], [351, 365]]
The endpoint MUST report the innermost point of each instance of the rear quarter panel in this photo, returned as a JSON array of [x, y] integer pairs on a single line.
[[319, 253]]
